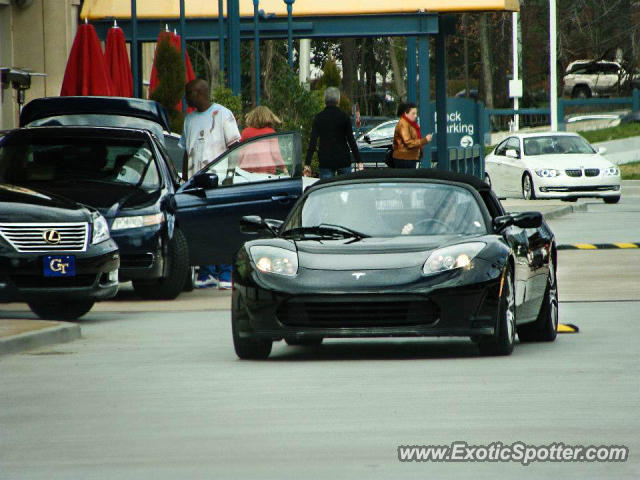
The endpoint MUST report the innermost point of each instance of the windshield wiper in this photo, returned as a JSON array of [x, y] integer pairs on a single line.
[[324, 231], [350, 231]]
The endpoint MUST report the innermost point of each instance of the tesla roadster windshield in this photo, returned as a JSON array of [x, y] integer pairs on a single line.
[[52, 161], [389, 210], [556, 144]]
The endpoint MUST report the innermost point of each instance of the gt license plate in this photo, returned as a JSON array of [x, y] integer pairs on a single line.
[[59, 266]]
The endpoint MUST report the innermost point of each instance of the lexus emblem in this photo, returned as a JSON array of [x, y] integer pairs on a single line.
[[358, 275], [52, 237]]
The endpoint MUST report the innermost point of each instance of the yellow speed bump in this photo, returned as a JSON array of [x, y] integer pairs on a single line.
[[625, 245], [567, 328], [585, 246]]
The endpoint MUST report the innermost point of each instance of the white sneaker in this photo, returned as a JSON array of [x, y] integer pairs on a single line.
[[225, 285], [209, 281]]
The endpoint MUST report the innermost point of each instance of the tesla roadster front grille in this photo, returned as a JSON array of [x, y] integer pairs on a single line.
[[46, 237], [592, 172], [574, 173], [345, 314]]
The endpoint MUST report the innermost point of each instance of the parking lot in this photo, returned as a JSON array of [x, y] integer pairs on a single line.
[[154, 389]]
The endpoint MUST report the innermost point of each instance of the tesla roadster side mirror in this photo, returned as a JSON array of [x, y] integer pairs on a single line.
[[521, 220], [205, 180], [254, 224], [602, 150], [528, 220], [367, 139], [512, 153]]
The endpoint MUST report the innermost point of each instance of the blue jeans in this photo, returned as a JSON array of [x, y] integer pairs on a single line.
[[221, 272], [332, 172], [405, 163]]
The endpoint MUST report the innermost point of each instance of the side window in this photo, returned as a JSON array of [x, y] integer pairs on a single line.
[[502, 148], [514, 144], [260, 159]]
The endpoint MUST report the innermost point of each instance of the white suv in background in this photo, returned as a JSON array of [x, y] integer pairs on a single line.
[[591, 78]]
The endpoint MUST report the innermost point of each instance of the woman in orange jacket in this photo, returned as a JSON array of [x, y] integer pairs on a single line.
[[408, 143]]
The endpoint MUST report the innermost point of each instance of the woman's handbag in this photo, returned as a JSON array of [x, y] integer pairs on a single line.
[[388, 158]]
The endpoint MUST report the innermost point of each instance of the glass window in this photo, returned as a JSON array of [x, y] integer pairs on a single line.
[[392, 209], [383, 131], [555, 144], [514, 144], [260, 159], [79, 160], [502, 148]]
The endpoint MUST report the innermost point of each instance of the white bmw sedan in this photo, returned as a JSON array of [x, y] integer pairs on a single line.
[[551, 165]]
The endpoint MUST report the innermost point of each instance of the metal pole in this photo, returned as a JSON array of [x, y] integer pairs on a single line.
[[183, 46], [516, 100], [290, 30], [553, 66], [221, 39], [304, 61], [135, 68], [424, 80], [256, 47], [441, 98], [412, 73], [235, 71]]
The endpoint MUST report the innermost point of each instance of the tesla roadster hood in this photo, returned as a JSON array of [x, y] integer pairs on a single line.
[[568, 161], [370, 253]]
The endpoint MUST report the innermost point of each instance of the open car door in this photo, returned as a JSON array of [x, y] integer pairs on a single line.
[[261, 176]]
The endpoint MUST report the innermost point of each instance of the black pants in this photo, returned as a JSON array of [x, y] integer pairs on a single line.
[[405, 163]]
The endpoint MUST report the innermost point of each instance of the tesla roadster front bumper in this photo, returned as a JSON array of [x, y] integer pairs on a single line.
[[453, 303]]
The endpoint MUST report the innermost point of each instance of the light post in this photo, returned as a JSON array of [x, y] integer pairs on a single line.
[[256, 48], [221, 39], [553, 66], [290, 30]]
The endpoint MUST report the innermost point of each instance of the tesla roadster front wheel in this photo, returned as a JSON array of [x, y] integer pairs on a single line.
[[545, 328], [504, 339], [249, 348]]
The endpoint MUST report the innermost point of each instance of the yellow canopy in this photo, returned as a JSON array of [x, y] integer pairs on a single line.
[[101, 9]]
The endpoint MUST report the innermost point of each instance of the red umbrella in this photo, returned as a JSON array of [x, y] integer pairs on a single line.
[[189, 73], [86, 72], [118, 63]]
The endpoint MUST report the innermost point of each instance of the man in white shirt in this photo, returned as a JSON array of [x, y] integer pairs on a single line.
[[208, 132]]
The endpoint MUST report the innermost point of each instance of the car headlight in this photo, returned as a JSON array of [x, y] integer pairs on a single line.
[[548, 172], [275, 260], [611, 172], [122, 223], [449, 258], [100, 230]]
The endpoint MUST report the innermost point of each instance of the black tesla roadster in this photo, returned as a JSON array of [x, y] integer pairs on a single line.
[[389, 253]]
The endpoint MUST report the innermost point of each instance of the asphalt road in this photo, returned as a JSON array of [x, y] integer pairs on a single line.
[[162, 395]]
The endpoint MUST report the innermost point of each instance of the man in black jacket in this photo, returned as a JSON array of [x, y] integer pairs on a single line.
[[333, 126]]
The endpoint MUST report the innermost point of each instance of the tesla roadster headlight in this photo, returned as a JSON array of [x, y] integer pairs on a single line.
[[449, 258], [122, 223], [100, 230], [611, 172], [548, 172], [275, 260]]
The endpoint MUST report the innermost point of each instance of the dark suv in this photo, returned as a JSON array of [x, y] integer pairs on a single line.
[[56, 255], [160, 225]]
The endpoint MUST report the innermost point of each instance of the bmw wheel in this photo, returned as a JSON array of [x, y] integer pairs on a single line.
[[611, 200], [487, 179], [545, 328], [504, 339], [528, 190]]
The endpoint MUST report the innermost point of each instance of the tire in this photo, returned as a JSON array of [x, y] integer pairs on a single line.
[[168, 288], [61, 310], [504, 339], [570, 199], [190, 280], [545, 328], [304, 342], [611, 200], [528, 189], [248, 348], [581, 91]]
